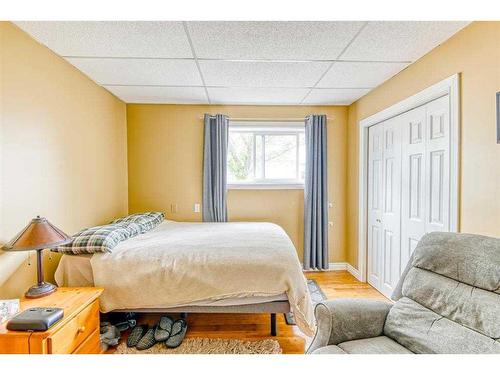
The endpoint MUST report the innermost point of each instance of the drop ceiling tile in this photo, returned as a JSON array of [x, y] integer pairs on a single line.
[[359, 74], [262, 74], [262, 96], [334, 96], [159, 95], [139, 71], [399, 41], [271, 40], [111, 38]]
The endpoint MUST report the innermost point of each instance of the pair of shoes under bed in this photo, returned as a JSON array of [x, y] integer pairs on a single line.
[[167, 331]]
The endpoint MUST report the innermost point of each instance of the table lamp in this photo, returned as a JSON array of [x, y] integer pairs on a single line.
[[39, 234]]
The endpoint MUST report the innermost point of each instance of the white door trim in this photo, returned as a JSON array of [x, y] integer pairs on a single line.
[[448, 86]]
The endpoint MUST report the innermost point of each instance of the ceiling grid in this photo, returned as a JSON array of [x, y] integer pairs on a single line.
[[339, 56], [254, 63], [196, 60]]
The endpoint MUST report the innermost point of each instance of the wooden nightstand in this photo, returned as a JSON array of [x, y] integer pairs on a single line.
[[77, 332]]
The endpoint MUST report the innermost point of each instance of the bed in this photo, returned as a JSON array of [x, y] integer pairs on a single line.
[[198, 267]]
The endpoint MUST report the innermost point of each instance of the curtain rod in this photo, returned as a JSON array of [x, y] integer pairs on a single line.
[[257, 119]]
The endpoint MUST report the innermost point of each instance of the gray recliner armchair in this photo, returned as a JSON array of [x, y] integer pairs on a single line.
[[447, 301]]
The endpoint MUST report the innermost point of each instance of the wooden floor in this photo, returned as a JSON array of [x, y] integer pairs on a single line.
[[335, 284]]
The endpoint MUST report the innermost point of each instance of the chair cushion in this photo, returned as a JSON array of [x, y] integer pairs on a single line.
[[330, 349], [469, 258], [421, 330], [469, 306], [374, 345]]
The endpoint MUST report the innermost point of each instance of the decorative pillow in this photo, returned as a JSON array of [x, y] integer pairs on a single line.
[[133, 228], [146, 220], [100, 239]]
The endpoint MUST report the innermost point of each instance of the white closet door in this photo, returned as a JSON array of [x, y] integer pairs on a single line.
[[408, 187], [375, 186], [425, 193], [438, 166], [413, 192], [391, 206]]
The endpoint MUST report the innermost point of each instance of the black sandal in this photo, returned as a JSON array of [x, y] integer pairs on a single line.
[[148, 340], [136, 334], [179, 329], [123, 326], [164, 328]]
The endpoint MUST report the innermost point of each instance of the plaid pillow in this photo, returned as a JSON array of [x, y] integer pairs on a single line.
[[133, 228], [146, 220], [100, 239]]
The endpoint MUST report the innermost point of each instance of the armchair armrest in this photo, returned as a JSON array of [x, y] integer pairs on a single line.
[[348, 319]]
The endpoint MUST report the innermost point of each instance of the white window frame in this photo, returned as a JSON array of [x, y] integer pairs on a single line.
[[294, 128]]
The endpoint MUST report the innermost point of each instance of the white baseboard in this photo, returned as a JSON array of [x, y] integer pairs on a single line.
[[353, 271], [340, 266], [337, 266]]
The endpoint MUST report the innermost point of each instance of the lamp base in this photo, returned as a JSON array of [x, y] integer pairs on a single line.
[[40, 290]]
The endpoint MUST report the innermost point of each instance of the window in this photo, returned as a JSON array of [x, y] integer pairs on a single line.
[[266, 155]]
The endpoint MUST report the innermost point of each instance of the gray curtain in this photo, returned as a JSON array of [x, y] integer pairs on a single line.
[[316, 195], [214, 168]]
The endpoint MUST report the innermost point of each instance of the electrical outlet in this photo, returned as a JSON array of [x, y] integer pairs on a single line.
[[173, 208], [330, 223], [196, 207], [330, 205]]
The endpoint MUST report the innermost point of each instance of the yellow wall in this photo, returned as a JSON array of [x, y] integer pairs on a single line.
[[474, 52], [165, 153], [62, 150]]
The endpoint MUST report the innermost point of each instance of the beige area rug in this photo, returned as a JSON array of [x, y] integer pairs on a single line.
[[209, 346]]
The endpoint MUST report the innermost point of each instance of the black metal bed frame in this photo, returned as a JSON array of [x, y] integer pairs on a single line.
[[259, 308]]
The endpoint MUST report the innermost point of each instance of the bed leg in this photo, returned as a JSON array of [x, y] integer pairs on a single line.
[[273, 324]]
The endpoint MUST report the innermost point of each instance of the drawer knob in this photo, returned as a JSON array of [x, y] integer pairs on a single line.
[[81, 329]]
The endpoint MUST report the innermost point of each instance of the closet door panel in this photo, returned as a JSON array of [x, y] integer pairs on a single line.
[[438, 165], [375, 203], [413, 218], [391, 212]]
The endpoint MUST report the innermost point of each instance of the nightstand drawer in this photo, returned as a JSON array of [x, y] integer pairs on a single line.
[[74, 333], [90, 346]]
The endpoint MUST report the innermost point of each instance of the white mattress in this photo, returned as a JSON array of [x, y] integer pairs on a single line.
[[76, 271]]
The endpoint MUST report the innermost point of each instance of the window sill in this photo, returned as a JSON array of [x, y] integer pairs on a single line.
[[265, 186]]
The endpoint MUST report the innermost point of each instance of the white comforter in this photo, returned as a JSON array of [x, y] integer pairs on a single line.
[[179, 263]]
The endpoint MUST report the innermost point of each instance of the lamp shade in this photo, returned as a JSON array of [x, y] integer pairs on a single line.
[[38, 234]]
